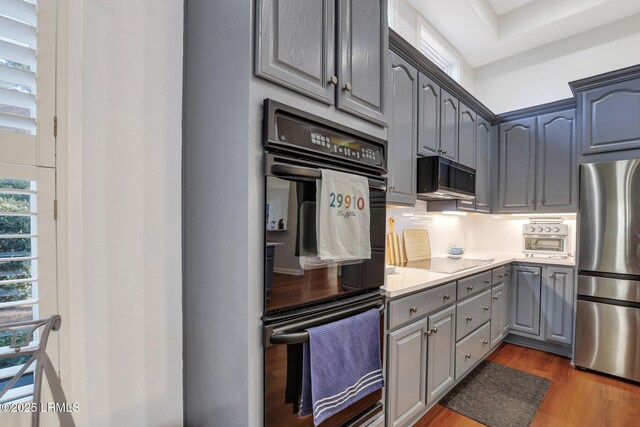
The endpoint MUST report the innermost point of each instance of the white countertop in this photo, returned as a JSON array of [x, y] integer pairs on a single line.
[[408, 280]]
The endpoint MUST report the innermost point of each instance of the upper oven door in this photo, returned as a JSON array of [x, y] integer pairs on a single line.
[[294, 275]]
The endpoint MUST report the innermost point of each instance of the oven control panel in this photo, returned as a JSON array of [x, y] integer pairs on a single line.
[[545, 229], [291, 131]]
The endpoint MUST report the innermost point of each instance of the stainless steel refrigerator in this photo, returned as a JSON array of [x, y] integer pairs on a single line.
[[608, 306]]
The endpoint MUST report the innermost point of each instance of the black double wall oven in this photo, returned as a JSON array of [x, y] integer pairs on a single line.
[[300, 289]]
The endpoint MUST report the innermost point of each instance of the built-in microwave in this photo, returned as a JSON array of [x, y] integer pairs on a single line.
[[442, 179]]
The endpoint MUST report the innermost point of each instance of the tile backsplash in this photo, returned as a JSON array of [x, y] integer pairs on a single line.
[[474, 232]]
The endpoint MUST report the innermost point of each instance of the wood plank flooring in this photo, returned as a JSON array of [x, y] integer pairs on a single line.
[[575, 398]]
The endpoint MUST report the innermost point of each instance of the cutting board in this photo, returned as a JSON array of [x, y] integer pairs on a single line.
[[417, 246], [394, 250]]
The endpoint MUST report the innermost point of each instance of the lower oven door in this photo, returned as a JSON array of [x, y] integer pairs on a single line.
[[294, 274], [279, 338]]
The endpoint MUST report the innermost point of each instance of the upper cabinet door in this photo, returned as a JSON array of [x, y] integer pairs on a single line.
[[295, 45], [449, 120], [363, 40], [517, 150], [557, 177], [467, 146], [402, 135], [428, 116], [483, 135], [610, 117]]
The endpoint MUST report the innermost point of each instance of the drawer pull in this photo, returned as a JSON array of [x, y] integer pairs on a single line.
[[469, 288], [432, 331], [485, 342], [500, 276], [485, 308], [495, 298], [486, 282], [506, 274], [413, 310], [447, 297], [467, 356], [469, 318]]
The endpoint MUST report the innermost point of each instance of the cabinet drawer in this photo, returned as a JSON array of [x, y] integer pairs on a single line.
[[498, 275], [474, 284], [473, 313], [418, 305], [472, 349]]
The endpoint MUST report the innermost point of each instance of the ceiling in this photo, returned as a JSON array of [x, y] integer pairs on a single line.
[[485, 31]]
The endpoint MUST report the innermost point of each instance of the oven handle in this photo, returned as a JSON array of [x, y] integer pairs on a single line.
[[278, 337], [305, 172]]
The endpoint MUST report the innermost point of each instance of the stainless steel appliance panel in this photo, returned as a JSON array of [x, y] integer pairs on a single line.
[[605, 287], [610, 217], [608, 339]]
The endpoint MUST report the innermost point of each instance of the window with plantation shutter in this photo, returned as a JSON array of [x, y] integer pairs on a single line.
[[27, 81], [28, 287], [18, 66]]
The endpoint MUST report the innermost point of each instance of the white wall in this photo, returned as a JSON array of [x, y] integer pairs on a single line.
[[541, 75], [404, 21], [124, 211]]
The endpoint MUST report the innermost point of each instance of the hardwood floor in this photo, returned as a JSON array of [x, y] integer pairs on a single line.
[[575, 398]]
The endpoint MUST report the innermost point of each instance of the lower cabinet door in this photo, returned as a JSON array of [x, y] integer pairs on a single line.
[[498, 314], [558, 309], [525, 300], [407, 373], [440, 353]]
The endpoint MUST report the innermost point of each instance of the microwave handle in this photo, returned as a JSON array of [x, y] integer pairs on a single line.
[[312, 173], [300, 337]]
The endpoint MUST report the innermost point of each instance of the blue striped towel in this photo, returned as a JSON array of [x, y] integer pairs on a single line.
[[340, 365]]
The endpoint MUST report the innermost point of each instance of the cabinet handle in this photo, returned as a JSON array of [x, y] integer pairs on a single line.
[[506, 274], [333, 80], [485, 308], [447, 297], [413, 310], [485, 342], [550, 274], [432, 331], [347, 87], [495, 298], [486, 282], [467, 356], [536, 274], [391, 188], [444, 152], [500, 276], [469, 288], [469, 318]]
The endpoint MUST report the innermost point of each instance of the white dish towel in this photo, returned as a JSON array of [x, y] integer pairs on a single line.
[[343, 216]]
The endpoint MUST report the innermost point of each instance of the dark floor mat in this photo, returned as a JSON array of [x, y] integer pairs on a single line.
[[498, 396]]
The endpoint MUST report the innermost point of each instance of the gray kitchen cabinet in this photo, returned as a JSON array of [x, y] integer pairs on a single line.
[[525, 299], [610, 117], [468, 120], [340, 59], [483, 134], [498, 314], [559, 305], [406, 373], [449, 125], [402, 135], [428, 116], [295, 45], [440, 353], [517, 157], [557, 172], [363, 40], [507, 300]]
